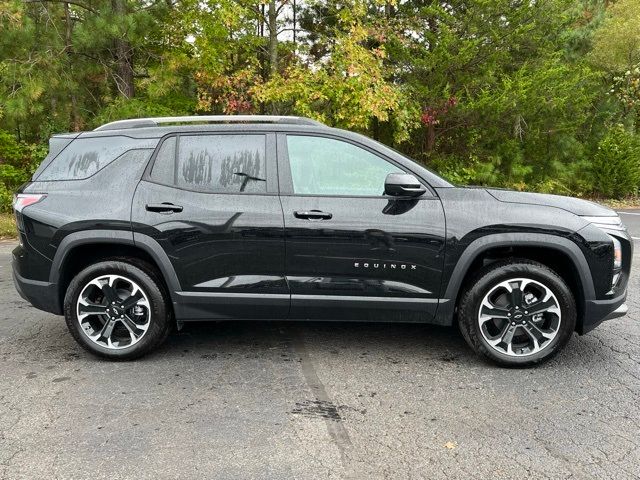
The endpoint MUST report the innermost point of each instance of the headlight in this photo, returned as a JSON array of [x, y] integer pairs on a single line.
[[607, 223], [617, 253], [610, 225]]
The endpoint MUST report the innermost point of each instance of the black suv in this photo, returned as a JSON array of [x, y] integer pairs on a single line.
[[144, 224]]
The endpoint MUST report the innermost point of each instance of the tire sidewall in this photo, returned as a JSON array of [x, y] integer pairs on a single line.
[[472, 299], [157, 303]]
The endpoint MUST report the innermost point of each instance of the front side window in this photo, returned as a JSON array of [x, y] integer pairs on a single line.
[[213, 163], [324, 166]]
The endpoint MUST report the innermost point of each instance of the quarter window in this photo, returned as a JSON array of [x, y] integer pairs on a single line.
[[213, 163], [324, 166], [86, 156]]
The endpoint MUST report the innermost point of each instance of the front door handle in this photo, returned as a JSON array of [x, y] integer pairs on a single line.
[[165, 207], [312, 215]]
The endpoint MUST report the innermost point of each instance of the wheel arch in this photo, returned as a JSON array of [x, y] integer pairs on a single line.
[[80, 249], [558, 253]]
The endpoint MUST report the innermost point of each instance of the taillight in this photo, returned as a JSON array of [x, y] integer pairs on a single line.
[[23, 200]]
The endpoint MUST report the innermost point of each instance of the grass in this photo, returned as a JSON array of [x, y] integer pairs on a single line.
[[7, 226], [629, 202]]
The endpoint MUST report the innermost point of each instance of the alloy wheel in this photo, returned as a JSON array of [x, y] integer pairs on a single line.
[[519, 317], [113, 311]]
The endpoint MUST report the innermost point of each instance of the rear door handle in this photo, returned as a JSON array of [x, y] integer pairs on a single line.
[[165, 207], [312, 215]]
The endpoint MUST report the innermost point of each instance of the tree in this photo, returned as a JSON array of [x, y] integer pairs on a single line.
[[62, 62], [616, 49]]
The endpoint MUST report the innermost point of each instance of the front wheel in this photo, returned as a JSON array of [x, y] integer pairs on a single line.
[[517, 313], [116, 310]]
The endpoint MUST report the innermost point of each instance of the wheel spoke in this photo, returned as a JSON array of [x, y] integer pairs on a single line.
[[132, 300], [537, 335], [507, 337], [135, 329], [109, 293], [516, 296], [105, 333], [542, 306], [85, 309], [489, 312], [497, 339], [541, 334]]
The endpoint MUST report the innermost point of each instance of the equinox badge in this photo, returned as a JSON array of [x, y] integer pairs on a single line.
[[384, 265]]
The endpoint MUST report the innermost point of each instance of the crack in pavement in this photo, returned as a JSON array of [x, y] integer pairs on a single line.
[[335, 427]]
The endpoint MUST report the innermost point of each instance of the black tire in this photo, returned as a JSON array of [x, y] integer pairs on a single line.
[[481, 284], [160, 321]]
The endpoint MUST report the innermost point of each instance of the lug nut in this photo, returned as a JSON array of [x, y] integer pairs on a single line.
[[513, 323]]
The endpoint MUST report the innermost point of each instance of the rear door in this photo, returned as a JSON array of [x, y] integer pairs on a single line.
[[351, 252], [210, 200]]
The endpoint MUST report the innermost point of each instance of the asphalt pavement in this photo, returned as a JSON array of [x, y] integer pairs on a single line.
[[277, 400], [631, 219]]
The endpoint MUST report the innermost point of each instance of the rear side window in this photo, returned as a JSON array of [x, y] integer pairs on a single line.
[[86, 156], [213, 163]]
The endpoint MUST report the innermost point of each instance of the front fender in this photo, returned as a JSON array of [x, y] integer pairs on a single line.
[[447, 303]]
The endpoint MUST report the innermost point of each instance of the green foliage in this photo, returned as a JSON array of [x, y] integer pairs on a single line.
[[616, 46], [348, 91], [508, 93], [17, 162], [6, 199], [616, 164], [131, 108]]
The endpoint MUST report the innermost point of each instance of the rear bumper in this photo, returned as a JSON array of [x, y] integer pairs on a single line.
[[42, 295], [597, 311]]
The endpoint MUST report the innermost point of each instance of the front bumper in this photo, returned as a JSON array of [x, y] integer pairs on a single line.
[[621, 311], [597, 311]]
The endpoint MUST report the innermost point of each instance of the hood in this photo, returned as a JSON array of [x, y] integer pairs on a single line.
[[570, 204]]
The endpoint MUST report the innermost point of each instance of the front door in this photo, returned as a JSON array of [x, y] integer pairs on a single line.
[[351, 252], [210, 201]]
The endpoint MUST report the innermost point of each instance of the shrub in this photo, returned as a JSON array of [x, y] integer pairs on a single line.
[[6, 199], [615, 170], [18, 161]]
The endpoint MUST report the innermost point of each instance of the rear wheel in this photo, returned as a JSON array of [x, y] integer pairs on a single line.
[[116, 310], [517, 313]]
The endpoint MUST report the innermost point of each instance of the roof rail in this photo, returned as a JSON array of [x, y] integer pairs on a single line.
[[157, 121]]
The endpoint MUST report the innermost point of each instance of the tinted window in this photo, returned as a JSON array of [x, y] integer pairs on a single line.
[[324, 166], [213, 163], [86, 156], [163, 170]]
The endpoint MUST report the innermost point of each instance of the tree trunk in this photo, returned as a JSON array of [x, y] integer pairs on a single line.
[[123, 57], [273, 39], [388, 9], [431, 137], [75, 115]]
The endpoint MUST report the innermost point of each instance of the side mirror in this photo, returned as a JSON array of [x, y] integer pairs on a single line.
[[403, 185]]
